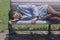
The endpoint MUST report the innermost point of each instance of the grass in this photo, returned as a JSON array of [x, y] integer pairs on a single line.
[[4, 8], [43, 27]]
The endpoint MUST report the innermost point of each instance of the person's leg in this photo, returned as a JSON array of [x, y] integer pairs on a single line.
[[47, 16], [54, 19], [53, 11], [50, 17]]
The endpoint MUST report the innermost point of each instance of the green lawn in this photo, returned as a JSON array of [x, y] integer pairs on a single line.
[[4, 8]]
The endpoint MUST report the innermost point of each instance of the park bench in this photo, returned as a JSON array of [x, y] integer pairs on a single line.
[[14, 3]]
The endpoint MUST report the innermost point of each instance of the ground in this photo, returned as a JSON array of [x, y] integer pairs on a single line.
[[20, 36], [4, 8]]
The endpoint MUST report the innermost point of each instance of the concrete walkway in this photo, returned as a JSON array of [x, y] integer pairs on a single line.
[[3, 35], [19, 36]]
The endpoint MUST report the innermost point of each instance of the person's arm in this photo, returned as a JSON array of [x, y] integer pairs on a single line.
[[33, 21], [35, 14]]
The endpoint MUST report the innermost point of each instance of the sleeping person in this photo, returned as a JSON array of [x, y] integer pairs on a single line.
[[34, 12]]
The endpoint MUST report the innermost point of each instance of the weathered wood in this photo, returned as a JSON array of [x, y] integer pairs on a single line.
[[55, 3]]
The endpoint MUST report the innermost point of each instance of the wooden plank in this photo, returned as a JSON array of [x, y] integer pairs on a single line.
[[35, 0], [29, 22]]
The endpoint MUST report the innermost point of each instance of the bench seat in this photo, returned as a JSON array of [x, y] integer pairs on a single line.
[[29, 22]]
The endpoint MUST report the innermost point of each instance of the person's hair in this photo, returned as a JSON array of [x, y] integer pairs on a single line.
[[11, 14]]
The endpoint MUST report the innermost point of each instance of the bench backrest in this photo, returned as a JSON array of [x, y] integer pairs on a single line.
[[54, 3]]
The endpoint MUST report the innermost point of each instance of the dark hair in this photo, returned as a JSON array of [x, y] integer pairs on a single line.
[[11, 14]]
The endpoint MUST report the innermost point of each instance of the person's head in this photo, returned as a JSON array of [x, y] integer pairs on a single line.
[[14, 15]]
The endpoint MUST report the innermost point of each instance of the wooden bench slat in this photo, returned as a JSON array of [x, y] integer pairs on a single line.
[[35, 0], [29, 22], [55, 3]]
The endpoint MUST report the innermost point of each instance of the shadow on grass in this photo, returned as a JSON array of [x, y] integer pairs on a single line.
[[33, 37]]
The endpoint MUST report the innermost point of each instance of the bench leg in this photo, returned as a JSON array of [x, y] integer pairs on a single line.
[[11, 32], [10, 28], [49, 31]]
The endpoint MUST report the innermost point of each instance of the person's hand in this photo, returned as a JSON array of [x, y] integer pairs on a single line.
[[14, 20], [47, 16], [33, 21]]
